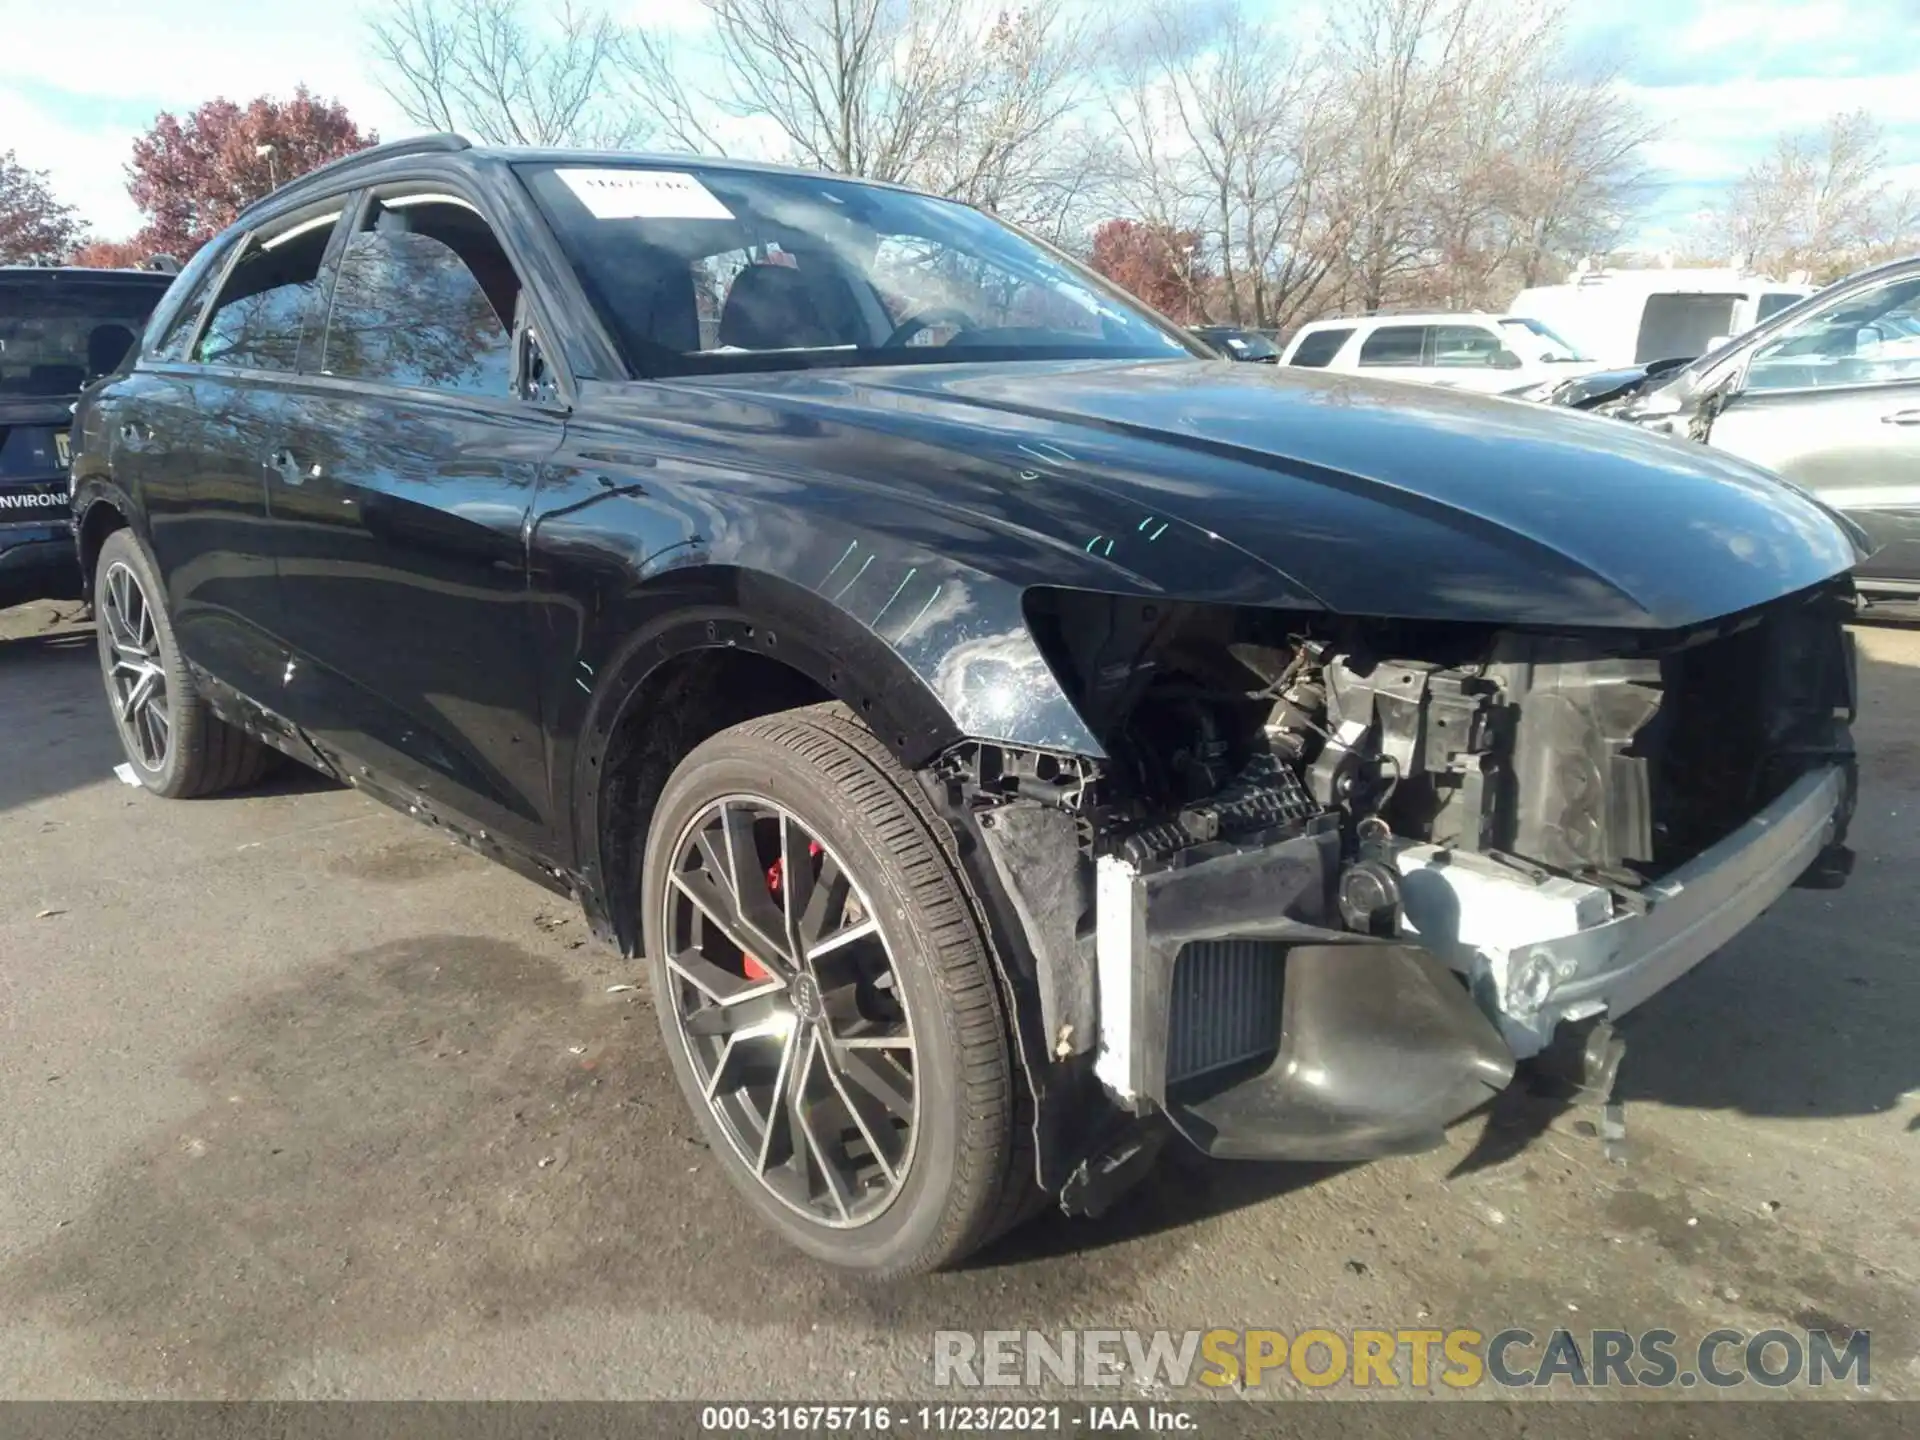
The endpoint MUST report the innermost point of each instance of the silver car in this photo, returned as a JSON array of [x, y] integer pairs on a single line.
[[1826, 394]]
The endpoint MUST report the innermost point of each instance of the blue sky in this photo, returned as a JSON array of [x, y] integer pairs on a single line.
[[1720, 77]]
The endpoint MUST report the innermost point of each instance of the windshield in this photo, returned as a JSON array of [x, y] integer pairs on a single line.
[[1540, 342], [59, 330], [712, 270]]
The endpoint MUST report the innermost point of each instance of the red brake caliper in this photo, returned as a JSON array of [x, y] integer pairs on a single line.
[[749, 965]]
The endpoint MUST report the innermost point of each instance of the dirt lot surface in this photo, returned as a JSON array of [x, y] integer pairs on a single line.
[[303, 1101]]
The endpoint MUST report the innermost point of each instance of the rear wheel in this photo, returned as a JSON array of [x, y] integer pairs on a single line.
[[174, 743], [827, 997]]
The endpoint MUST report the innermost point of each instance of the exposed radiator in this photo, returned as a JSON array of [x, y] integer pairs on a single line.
[[1225, 1007]]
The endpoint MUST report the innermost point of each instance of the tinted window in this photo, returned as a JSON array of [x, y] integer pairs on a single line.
[[192, 283], [861, 263], [268, 300], [1871, 337], [410, 309], [1465, 346], [1394, 345], [1319, 347], [1772, 304], [1679, 327], [59, 329]]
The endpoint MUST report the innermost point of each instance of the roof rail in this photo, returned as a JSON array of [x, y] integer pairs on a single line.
[[442, 143]]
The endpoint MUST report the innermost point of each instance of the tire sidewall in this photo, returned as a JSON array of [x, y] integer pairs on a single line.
[[121, 548], [918, 1216]]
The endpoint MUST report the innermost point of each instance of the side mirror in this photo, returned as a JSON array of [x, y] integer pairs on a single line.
[[1507, 360]]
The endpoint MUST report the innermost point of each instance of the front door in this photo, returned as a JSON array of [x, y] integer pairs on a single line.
[[397, 522], [1832, 402]]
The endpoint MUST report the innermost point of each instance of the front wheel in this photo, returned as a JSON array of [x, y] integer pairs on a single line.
[[175, 745], [827, 998]]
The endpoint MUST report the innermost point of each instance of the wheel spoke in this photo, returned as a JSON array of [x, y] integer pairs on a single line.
[[876, 1042], [732, 889], [879, 1078], [826, 904], [814, 1152], [776, 1104], [771, 1027], [712, 905], [857, 931], [720, 986], [872, 1119], [142, 690]]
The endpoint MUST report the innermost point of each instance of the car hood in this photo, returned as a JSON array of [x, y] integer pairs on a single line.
[[1367, 498]]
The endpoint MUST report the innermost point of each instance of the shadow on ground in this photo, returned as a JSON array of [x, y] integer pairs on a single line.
[[406, 1142], [53, 712]]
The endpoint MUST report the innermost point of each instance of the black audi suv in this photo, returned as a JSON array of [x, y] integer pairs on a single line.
[[59, 329], [1015, 738]]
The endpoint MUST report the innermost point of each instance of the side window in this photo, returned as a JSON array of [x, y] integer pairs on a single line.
[[1869, 338], [269, 299], [177, 331], [1465, 346], [1318, 348], [425, 298], [1394, 345]]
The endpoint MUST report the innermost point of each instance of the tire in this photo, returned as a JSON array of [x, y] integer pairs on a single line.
[[967, 1171], [194, 752]]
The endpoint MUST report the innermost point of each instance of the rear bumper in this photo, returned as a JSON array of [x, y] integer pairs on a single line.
[[1228, 1003]]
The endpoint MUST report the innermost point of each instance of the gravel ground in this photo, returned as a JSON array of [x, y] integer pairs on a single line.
[[306, 1102]]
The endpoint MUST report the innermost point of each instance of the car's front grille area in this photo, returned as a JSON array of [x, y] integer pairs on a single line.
[[1225, 1007]]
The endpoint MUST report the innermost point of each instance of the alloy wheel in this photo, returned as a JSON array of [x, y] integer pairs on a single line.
[[784, 991], [136, 675]]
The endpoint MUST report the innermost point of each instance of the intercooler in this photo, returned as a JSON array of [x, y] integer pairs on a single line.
[[1225, 1006]]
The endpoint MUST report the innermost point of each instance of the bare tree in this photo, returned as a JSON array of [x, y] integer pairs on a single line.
[[953, 96], [1233, 134], [488, 68], [1819, 201], [1536, 164]]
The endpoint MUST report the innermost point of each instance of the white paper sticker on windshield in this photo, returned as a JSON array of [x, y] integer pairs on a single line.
[[623, 194]]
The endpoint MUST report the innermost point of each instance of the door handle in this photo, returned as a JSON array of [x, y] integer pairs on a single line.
[[284, 464], [1901, 417]]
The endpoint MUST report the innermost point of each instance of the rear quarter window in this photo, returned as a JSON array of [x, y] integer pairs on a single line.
[[1317, 348]]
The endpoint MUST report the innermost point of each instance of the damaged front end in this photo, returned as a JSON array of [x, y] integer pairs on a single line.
[[1334, 877]]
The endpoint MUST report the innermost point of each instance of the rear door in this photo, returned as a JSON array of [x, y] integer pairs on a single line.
[[1833, 402], [396, 518], [193, 435]]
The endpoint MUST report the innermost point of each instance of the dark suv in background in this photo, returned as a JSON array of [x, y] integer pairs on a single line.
[[60, 329]]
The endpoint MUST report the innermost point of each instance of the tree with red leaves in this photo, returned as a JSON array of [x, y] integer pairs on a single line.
[[1156, 262], [110, 255], [192, 177], [35, 228]]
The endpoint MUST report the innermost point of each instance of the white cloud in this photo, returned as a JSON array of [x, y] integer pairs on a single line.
[[86, 166]]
